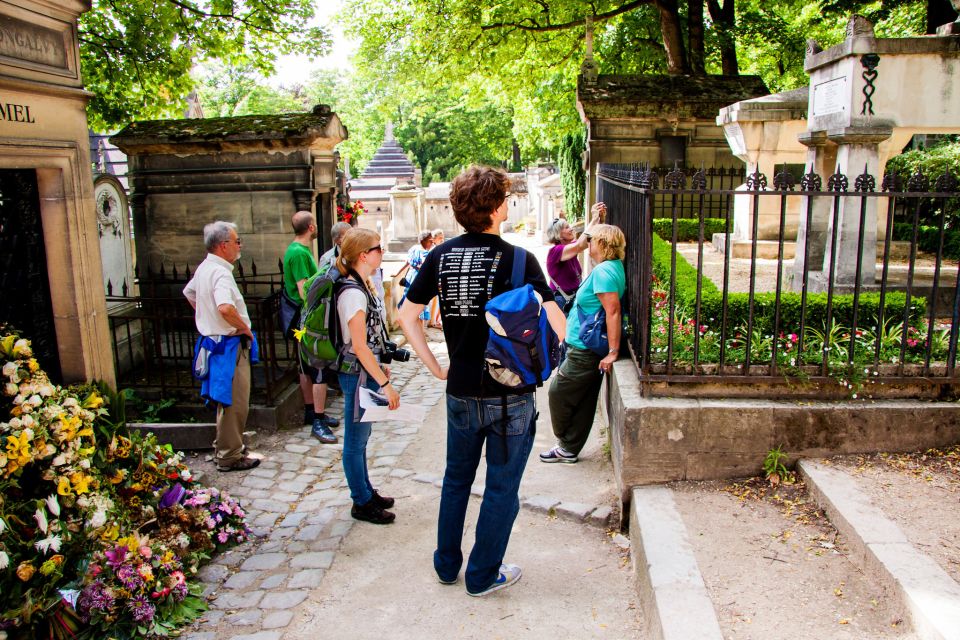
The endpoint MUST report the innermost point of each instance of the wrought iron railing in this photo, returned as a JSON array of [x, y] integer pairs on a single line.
[[154, 333], [698, 316], [715, 203]]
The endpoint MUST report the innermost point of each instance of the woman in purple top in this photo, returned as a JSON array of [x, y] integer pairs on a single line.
[[563, 265]]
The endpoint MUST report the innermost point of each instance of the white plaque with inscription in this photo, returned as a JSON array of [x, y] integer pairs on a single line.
[[830, 97]]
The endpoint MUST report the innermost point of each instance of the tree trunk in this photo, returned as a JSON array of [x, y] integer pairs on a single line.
[[673, 37], [724, 19], [695, 37]]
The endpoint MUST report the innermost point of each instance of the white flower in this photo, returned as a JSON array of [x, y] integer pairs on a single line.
[[50, 543], [28, 421], [98, 519], [41, 517], [35, 400], [4, 560], [70, 402], [15, 423], [84, 464], [11, 389], [22, 348], [186, 475], [52, 505], [3, 525], [60, 460], [10, 368], [46, 390], [18, 400]]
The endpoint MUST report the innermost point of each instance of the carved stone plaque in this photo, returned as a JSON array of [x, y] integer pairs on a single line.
[[830, 97], [32, 43]]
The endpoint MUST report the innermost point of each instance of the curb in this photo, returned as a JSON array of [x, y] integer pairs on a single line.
[[928, 595], [596, 515], [673, 596]]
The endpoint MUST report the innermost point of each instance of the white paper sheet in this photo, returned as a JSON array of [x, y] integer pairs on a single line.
[[375, 408]]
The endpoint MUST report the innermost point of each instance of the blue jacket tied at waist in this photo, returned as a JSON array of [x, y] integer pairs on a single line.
[[214, 363]]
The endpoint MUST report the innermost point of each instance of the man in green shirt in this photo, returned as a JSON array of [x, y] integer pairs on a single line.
[[298, 266]]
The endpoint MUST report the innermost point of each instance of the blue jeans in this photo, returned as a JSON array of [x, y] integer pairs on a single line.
[[471, 422], [355, 436]]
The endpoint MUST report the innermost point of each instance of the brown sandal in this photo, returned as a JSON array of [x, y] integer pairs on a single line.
[[243, 464]]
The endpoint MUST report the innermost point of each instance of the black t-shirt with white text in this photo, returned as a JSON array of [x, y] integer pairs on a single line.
[[466, 272]]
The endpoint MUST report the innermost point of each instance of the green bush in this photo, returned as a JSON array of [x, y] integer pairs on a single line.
[[936, 160], [688, 229], [928, 238], [738, 304]]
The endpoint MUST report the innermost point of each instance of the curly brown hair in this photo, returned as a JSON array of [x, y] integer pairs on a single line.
[[475, 194]]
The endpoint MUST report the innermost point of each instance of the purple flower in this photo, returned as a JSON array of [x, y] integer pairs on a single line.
[[172, 496], [141, 608], [95, 596], [115, 556], [179, 592], [129, 577], [223, 536]]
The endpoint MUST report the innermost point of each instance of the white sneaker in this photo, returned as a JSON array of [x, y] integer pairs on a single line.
[[509, 574]]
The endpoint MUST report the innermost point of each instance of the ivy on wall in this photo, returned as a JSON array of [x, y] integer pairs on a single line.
[[572, 176]]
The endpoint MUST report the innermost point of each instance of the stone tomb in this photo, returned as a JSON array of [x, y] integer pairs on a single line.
[[658, 120], [50, 269], [255, 171], [868, 97]]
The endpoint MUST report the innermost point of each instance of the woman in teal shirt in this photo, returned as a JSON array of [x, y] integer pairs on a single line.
[[576, 387]]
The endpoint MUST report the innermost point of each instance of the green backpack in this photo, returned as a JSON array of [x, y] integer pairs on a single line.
[[319, 333]]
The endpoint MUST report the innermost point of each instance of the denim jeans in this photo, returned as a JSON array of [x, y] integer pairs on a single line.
[[355, 436], [471, 422]]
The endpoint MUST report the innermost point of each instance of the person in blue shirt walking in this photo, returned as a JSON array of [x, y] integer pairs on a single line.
[[575, 389]]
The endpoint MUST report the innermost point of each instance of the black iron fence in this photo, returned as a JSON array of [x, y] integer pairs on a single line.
[[715, 203], [822, 304], [153, 333]]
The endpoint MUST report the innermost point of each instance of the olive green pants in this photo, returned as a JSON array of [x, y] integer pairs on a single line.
[[573, 398], [232, 420]]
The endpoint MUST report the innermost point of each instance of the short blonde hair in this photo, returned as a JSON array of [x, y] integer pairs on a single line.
[[613, 244]]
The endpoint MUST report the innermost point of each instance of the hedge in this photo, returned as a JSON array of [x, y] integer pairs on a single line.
[[688, 229], [738, 304], [928, 238]]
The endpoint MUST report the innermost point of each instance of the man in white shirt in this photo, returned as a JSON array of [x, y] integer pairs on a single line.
[[224, 326]]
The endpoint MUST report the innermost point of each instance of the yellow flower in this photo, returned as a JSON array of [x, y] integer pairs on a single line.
[[63, 487], [6, 345], [18, 449], [33, 365], [93, 401], [111, 532], [167, 557], [80, 482], [299, 333], [118, 477]]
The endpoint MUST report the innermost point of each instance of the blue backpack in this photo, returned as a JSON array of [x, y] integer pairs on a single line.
[[522, 348]]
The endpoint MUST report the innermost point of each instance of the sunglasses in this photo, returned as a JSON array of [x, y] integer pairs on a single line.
[[376, 248]]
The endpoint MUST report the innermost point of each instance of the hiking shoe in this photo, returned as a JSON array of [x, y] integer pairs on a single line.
[[509, 574], [383, 501], [328, 421], [558, 454], [372, 512], [243, 464], [322, 432]]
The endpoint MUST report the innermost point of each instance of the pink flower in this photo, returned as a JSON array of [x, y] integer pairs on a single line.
[[146, 551], [794, 337]]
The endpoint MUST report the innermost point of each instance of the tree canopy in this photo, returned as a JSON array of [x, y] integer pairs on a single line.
[[136, 55]]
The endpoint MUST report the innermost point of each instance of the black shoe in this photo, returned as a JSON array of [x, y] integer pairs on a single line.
[[372, 512], [328, 421], [243, 464], [381, 501], [322, 432]]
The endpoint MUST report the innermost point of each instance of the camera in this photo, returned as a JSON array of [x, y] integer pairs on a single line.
[[393, 353]]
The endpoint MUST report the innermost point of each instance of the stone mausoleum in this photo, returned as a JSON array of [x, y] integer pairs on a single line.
[[662, 121], [255, 171], [50, 271]]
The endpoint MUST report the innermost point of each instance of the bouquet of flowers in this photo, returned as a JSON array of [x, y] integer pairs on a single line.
[[135, 587], [351, 212], [78, 492]]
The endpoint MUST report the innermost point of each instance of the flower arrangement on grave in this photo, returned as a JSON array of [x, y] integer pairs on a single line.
[[350, 212], [102, 529]]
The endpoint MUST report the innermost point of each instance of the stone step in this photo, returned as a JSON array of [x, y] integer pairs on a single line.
[[929, 596], [673, 596]]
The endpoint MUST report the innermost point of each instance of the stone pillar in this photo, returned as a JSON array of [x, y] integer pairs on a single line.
[[821, 159], [406, 216]]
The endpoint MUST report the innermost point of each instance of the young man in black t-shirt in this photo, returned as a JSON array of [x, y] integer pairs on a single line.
[[465, 273]]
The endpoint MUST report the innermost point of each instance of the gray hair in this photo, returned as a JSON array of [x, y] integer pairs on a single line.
[[438, 232], [423, 236], [338, 230], [553, 231], [217, 232]]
